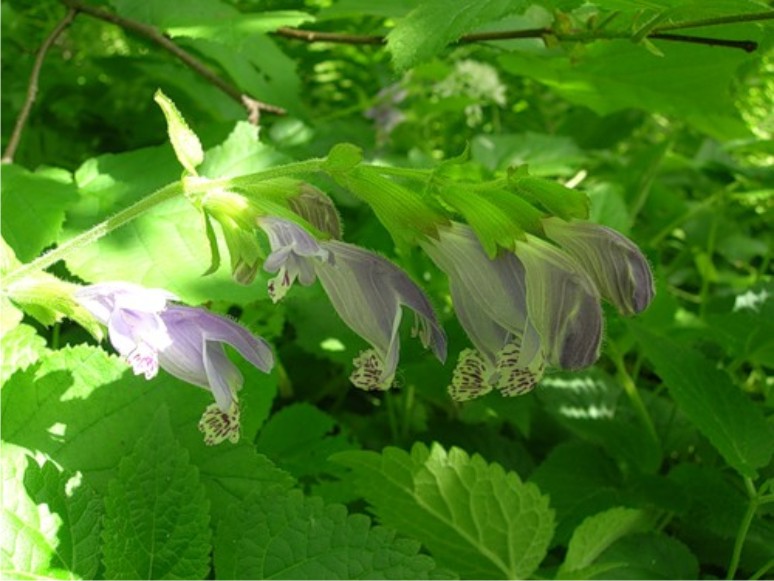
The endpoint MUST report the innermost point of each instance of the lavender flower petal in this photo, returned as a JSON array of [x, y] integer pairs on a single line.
[[196, 352], [615, 264], [563, 304], [367, 292], [293, 251]]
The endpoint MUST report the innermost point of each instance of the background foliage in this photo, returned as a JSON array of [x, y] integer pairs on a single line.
[[655, 463]]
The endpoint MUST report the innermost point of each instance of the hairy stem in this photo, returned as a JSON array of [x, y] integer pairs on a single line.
[[93, 234], [32, 86]]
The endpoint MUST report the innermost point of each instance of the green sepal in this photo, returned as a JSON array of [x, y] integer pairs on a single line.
[[557, 199], [212, 241], [343, 157], [43, 297], [407, 215], [498, 217], [185, 142]]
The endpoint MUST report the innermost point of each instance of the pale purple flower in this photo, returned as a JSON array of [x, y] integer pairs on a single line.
[[521, 311], [149, 332], [616, 265], [366, 290]]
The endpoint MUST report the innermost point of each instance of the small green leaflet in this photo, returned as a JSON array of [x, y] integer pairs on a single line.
[[185, 142]]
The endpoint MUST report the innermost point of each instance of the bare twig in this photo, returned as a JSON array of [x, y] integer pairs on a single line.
[[658, 33], [32, 87], [253, 106]]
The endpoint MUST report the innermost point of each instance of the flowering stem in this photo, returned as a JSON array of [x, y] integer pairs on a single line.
[[299, 167], [93, 234]]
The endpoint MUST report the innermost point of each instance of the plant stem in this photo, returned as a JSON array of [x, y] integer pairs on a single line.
[[744, 528], [632, 393], [762, 571], [95, 233], [32, 86], [295, 168], [656, 32], [253, 106]]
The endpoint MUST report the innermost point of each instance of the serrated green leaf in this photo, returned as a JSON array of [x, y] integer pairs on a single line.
[[284, 535], [157, 517], [559, 200], [424, 31], [164, 248], [596, 534], [33, 207], [80, 510], [50, 528], [19, 348], [618, 74], [29, 531], [185, 142], [85, 410], [473, 517], [706, 395], [298, 438]]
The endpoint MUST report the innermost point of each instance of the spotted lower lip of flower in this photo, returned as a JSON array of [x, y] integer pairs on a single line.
[[368, 292], [186, 342], [292, 256], [616, 265], [489, 297]]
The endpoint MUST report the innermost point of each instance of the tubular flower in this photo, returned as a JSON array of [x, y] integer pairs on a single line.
[[615, 264], [149, 332], [563, 304], [490, 300], [366, 290]]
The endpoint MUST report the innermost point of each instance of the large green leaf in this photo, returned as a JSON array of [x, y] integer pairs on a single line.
[[85, 410], [19, 348], [690, 82], [33, 208], [50, 520], [474, 517], [300, 438], [284, 535], [156, 514], [706, 395], [435, 23]]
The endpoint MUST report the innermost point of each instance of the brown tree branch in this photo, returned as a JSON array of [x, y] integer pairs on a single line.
[[253, 106], [658, 33], [32, 86]]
